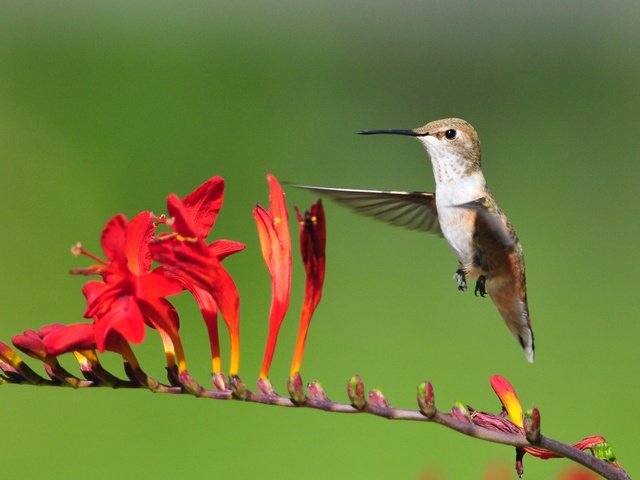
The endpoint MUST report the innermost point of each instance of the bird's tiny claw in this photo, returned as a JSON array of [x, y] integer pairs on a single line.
[[480, 286], [461, 279]]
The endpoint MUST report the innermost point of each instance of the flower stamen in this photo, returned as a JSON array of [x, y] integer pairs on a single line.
[[78, 250]]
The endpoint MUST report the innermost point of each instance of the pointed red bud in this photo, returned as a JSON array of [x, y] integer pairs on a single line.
[[316, 392], [531, 425], [355, 390], [376, 398], [461, 412], [238, 388], [426, 400], [219, 381], [264, 385], [519, 465], [294, 386]]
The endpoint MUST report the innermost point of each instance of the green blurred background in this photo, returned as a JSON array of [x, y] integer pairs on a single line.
[[107, 107]]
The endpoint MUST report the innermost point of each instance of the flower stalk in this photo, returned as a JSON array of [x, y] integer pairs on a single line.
[[132, 294]]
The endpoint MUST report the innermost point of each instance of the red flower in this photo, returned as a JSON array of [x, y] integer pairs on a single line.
[[275, 242], [130, 295], [313, 237], [196, 265]]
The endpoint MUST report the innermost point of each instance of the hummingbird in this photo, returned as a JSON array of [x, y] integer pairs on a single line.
[[464, 212]]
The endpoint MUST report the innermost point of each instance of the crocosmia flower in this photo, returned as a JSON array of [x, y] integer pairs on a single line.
[[275, 242], [313, 237], [131, 294], [192, 262]]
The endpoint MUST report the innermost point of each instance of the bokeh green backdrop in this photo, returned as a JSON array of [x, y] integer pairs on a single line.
[[107, 107]]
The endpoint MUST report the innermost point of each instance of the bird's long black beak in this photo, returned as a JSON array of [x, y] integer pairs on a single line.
[[411, 133]]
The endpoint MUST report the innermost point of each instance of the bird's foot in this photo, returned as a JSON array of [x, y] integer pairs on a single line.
[[480, 286], [461, 279]]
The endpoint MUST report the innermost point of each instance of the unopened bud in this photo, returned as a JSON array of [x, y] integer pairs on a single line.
[[265, 387], [355, 390], [426, 400], [376, 398], [15, 368], [295, 389], [531, 425], [316, 392], [461, 412], [8, 355], [238, 388], [519, 465], [190, 384], [30, 343], [219, 381]]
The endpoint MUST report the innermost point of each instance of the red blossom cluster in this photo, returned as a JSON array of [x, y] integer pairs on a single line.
[[147, 260]]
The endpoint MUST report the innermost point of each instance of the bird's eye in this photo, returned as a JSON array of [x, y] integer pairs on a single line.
[[450, 134]]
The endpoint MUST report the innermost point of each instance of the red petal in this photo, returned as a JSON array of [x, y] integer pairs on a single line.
[[277, 206], [113, 237], [78, 336], [312, 246], [139, 233], [223, 248], [508, 397], [157, 285], [203, 204], [182, 222], [160, 314], [224, 292], [198, 269], [47, 329], [93, 291], [266, 233], [124, 318], [275, 243]]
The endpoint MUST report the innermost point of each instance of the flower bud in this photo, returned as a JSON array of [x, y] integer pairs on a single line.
[[461, 412], [531, 425], [238, 388], [376, 398], [265, 387], [355, 390], [426, 400], [316, 392], [295, 388], [219, 381], [30, 343]]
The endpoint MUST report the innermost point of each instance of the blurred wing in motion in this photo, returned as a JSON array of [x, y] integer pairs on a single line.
[[413, 210]]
